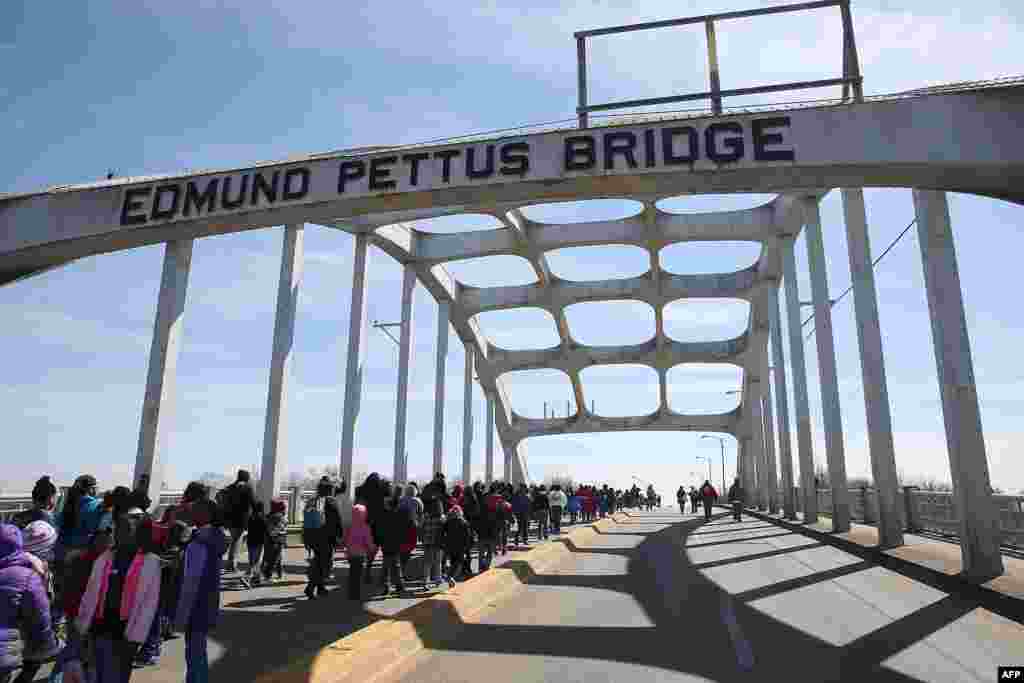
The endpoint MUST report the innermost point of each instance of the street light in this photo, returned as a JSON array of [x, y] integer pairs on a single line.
[[721, 442], [709, 461]]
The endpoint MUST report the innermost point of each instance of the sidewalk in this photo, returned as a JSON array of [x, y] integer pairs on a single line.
[[941, 557]]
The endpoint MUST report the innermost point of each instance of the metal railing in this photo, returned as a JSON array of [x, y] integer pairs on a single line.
[[851, 77], [13, 503], [930, 511]]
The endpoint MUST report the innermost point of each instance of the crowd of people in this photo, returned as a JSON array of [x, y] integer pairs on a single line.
[[708, 496], [98, 586]]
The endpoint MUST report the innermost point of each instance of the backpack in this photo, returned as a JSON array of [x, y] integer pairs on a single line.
[[312, 521]]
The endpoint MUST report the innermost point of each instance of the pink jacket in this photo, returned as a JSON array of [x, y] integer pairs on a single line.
[[359, 537], [139, 600]]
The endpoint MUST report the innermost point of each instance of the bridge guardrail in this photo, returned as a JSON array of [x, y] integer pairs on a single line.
[[13, 503], [933, 511]]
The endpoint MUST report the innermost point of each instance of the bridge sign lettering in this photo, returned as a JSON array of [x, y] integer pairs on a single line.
[[704, 145]]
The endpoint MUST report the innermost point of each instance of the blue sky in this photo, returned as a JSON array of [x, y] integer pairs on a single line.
[[152, 87]]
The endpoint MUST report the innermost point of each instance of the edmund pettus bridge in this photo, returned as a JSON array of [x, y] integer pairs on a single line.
[[811, 584]]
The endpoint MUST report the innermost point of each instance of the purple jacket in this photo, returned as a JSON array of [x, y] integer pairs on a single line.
[[199, 598], [24, 607]]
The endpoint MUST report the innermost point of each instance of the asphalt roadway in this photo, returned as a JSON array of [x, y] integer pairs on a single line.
[[667, 597]]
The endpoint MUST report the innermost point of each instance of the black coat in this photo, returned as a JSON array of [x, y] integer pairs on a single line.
[[393, 527], [456, 536]]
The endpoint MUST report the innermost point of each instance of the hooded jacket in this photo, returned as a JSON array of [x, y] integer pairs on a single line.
[[25, 628], [359, 537], [199, 600]]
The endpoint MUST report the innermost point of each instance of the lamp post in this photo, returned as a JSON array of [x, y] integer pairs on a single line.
[[721, 442], [709, 461]]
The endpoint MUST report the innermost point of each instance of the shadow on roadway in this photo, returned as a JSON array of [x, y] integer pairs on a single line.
[[685, 607]]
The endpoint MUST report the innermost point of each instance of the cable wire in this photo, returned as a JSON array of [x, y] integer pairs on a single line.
[[873, 264]]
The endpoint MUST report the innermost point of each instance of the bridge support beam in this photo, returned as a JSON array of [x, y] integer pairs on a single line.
[[828, 379], [771, 477], [785, 445], [443, 311], [804, 444], [489, 452], [979, 523], [467, 417], [168, 332], [755, 434], [355, 358], [872, 367], [275, 429], [401, 466]]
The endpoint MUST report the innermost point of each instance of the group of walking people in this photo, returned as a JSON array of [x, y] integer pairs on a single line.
[[96, 587], [708, 496]]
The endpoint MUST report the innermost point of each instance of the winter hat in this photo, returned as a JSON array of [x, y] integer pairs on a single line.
[[39, 537]]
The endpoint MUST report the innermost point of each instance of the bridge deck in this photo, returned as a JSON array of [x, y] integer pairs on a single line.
[[649, 596]]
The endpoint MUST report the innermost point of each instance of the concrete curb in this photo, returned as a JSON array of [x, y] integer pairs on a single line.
[[377, 649]]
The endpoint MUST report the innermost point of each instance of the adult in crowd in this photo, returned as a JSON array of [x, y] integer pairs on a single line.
[[708, 496], [736, 496], [238, 502], [80, 517], [558, 502], [372, 493], [437, 488], [140, 495]]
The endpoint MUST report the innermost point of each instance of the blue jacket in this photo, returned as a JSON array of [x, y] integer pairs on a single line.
[[199, 598], [89, 512]]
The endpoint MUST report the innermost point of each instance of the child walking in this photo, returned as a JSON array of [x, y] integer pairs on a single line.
[[430, 534], [277, 535], [360, 545], [120, 600], [255, 538], [199, 599]]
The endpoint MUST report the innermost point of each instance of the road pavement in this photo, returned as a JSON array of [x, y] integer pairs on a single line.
[[666, 597]]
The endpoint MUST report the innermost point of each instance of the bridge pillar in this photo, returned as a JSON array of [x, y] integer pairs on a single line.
[[467, 417], [979, 522], [785, 446], [872, 367], [356, 356], [489, 453], [443, 310], [507, 454], [168, 331], [771, 478], [404, 351], [274, 442], [829, 382], [803, 417]]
